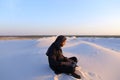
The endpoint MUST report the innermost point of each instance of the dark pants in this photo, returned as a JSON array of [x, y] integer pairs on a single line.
[[67, 68]]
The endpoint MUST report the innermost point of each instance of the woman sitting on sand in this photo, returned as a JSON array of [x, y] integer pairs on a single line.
[[59, 63]]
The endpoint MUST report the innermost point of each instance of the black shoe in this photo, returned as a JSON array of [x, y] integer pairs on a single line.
[[76, 75], [56, 72]]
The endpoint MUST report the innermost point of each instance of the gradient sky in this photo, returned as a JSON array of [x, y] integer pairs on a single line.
[[47, 17]]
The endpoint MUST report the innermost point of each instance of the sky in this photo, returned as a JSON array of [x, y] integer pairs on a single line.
[[54, 17]]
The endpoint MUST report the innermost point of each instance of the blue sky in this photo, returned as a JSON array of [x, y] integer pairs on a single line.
[[47, 17]]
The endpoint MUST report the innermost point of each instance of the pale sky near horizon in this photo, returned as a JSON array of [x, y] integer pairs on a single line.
[[54, 17]]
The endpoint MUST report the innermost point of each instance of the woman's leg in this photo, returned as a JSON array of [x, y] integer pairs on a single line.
[[66, 69], [74, 59]]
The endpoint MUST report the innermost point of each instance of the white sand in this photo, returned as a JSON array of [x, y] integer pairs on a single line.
[[99, 58]]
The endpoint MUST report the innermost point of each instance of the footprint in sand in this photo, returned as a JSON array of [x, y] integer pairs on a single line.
[[94, 76]]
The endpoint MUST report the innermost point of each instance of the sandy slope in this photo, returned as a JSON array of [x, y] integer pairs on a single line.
[[98, 62], [26, 59]]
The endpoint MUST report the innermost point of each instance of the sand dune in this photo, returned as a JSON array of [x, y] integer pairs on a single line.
[[26, 59]]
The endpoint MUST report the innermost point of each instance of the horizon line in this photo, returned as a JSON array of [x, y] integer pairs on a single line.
[[61, 34]]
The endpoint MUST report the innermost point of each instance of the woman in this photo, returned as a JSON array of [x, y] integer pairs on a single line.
[[58, 62]]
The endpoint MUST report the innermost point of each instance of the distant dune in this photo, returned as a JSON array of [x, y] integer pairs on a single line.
[[16, 38], [23, 37]]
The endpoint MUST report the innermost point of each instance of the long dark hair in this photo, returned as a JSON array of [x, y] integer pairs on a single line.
[[56, 44], [59, 40]]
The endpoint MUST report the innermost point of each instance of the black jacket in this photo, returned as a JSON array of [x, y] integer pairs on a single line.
[[57, 61]]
